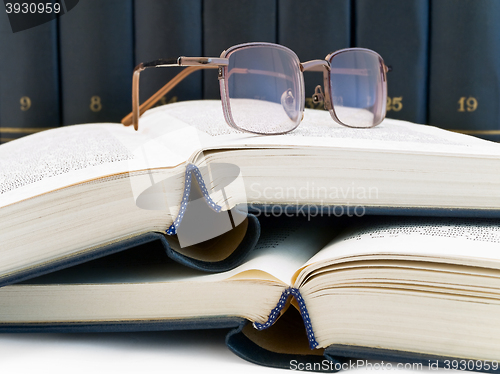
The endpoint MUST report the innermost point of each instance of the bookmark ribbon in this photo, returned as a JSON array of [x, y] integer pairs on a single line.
[[191, 169], [273, 316]]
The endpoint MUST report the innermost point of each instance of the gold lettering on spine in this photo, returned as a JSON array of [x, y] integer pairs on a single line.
[[394, 104], [467, 104]]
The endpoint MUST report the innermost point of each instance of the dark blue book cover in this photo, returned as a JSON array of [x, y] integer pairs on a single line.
[[166, 29], [96, 49], [313, 29], [399, 32], [29, 84], [465, 67], [227, 23]]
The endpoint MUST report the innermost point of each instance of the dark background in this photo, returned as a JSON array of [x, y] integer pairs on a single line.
[[445, 55]]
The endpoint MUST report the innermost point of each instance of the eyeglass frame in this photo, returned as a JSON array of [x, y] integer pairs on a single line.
[[221, 63]]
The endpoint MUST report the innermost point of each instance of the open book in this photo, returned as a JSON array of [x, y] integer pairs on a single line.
[[71, 191], [407, 288]]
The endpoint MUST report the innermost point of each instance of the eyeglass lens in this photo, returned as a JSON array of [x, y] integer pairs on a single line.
[[265, 89], [357, 88]]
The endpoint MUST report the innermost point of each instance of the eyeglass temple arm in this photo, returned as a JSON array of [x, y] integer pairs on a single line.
[[193, 63]]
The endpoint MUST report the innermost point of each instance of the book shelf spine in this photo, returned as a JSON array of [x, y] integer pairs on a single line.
[[165, 29], [465, 67], [96, 41], [312, 30], [227, 23], [399, 32], [29, 88]]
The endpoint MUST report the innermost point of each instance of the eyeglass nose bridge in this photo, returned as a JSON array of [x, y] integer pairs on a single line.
[[320, 66], [315, 65]]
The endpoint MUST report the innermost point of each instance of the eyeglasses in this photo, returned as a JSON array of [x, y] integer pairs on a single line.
[[262, 86]]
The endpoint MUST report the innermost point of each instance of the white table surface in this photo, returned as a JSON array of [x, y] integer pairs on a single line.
[[146, 352]]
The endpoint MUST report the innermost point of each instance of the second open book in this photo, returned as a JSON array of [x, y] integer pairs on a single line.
[[417, 287]]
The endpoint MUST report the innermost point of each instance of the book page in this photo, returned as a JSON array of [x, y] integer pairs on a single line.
[[69, 155], [318, 129], [282, 249], [474, 242]]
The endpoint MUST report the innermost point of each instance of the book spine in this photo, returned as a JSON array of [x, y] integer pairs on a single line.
[[227, 23], [399, 32], [465, 67], [299, 20], [165, 29], [29, 88], [96, 54]]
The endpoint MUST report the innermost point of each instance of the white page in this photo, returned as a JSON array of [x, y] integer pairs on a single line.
[[458, 241], [65, 156], [318, 129]]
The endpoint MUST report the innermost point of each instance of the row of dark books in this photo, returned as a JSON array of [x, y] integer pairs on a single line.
[[445, 55]]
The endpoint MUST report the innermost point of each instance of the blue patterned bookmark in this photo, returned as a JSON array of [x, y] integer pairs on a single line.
[[303, 312], [172, 230]]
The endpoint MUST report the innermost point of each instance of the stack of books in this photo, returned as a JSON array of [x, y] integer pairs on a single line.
[[327, 243]]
